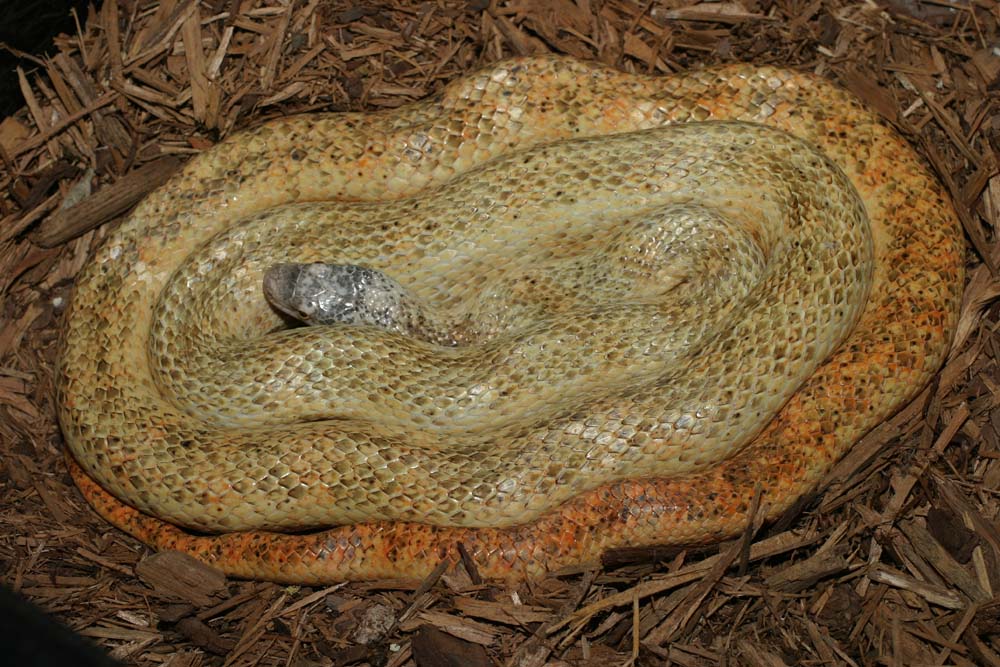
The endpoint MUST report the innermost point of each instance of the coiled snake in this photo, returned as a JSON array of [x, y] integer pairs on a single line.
[[656, 294]]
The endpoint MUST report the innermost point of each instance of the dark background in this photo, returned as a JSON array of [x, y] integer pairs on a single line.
[[29, 25]]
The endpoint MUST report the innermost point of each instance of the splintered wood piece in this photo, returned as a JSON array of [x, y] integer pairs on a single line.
[[178, 575], [502, 612], [934, 594], [106, 203], [807, 573]]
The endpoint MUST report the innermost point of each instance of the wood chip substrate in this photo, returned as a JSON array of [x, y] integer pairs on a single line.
[[895, 560]]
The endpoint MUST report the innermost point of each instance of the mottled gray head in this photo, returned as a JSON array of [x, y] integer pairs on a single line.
[[321, 293]]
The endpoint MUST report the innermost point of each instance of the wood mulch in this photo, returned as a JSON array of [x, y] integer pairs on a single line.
[[894, 561]]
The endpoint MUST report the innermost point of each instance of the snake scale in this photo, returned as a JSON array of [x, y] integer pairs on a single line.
[[655, 295]]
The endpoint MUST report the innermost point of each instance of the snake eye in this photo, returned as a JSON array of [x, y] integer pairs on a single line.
[[304, 311]]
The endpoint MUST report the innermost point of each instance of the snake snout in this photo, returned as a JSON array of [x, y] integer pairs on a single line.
[[279, 284]]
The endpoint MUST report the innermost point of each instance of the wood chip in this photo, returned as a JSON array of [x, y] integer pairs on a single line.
[[106, 203], [434, 648], [173, 574]]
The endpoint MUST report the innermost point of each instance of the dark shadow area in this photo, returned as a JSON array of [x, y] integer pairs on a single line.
[[30, 637], [29, 26]]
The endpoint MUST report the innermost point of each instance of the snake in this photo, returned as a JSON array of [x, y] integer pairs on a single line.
[[634, 304]]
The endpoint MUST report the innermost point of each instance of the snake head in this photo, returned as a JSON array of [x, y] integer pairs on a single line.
[[320, 293]]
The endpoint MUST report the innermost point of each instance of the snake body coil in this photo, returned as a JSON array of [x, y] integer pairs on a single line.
[[636, 299]]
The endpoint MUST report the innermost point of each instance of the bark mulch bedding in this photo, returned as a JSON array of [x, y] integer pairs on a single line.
[[894, 561]]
